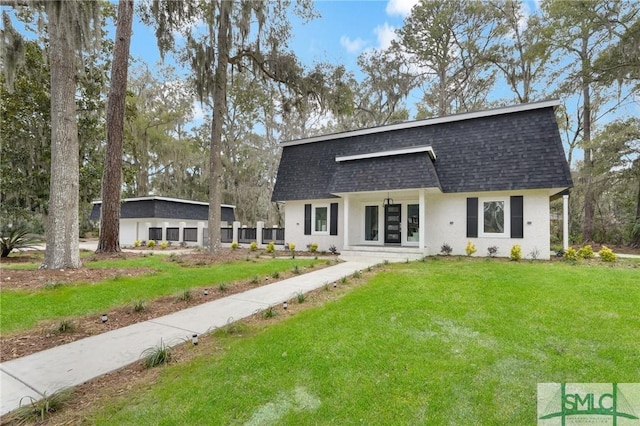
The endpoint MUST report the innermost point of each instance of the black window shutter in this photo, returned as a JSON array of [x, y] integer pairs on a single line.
[[472, 217], [517, 217], [307, 219], [333, 219]]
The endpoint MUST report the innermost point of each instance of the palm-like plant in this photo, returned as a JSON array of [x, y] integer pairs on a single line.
[[18, 239]]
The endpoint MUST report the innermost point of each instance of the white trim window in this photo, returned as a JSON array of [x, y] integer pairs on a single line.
[[494, 216], [320, 219]]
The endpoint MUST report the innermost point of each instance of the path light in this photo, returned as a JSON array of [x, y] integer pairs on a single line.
[[104, 318], [206, 291], [284, 305], [194, 340], [335, 284]]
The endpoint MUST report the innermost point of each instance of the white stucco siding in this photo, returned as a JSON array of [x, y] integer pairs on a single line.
[[447, 223], [128, 232], [294, 226]]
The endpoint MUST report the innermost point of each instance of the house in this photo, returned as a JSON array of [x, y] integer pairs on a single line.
[[165, 219], [406, 189]]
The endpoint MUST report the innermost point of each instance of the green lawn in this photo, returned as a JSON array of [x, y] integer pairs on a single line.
[[436, 342], [21, 310]]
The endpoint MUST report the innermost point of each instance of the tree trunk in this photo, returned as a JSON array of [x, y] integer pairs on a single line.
[[589, 197], [62, 249], [219, 107], [109, 241]]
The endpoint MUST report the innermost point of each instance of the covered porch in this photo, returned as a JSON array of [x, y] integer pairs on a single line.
[[387, 224]]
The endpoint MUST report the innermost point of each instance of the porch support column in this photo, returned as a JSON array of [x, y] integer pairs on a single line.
[[422, 232], [345, 226], [565, 222]]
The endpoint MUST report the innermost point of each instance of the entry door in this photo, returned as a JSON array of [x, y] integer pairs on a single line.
[[392, 225]]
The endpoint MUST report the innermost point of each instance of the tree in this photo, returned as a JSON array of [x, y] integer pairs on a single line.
[[112, 177], [581, 31], [225, 45], [521, 52], [70, 27], [447, 40]]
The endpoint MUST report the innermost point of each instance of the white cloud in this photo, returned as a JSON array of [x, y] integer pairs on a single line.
[[386, 34], [352, 46], [400, 7]]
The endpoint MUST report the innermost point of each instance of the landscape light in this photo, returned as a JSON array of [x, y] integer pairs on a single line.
[[335, 284], [103, 318], [206, 291], [194, 340], [284, 305]]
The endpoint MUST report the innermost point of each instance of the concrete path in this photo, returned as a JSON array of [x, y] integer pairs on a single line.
[[75, 363]]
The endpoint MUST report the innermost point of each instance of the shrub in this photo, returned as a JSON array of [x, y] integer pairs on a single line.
[[253, 246], [139, 306], [301, 297], [164, 245], [234, 245], [607, 255], [585, 252], [184, 296], [333, 249], [137, 243], [571, 254], [270, 312], [223, 286], [275, 275], [65, 326], [296, 270], [157, 355], [313, 247], [516, 252], [291, 246], [18, 239], [255, 280], [357, 274], [534, 254], [37, 410], [151, 244], [446, 249], [470, 248], [271, 247], [492, 251]]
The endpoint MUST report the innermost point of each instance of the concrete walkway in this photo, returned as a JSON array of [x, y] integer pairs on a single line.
[[72, 364]]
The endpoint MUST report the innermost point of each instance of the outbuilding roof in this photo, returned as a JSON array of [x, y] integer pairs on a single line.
[[517, 147]]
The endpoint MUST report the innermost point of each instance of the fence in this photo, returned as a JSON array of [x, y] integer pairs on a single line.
[[273, 234]]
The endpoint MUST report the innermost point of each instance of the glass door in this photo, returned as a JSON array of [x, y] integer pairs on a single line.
[[392, 224]]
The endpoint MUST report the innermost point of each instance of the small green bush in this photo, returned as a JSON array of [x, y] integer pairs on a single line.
[[333, 249], [164, 245], [275, 275], [445, 249], [17, 239], [516, 252], [470, 248], [253, 246], [301, 297], [585, 252], [270, 312], [157, 355], [313, 247], [65, 326], [571, 254], [137, 243], [296, 270], [607, 255], [271, 247], [234, 245], [185, 296], [492, 251], [223, 286], [151, 244], [36, 410], [139, 306]]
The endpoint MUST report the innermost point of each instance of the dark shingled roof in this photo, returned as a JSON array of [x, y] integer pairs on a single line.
[[164, 208], [504, 149]]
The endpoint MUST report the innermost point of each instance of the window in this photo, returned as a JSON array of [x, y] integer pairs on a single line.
[[155, 234], [413, 222], [173, 234], [190, 234], [371, 223], [493, 214], [320, 220]]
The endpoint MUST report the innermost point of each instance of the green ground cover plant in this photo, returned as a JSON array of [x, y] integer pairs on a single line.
[[453, 341], [22, 309]]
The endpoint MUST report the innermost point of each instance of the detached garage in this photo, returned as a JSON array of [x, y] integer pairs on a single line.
[[165, 219]]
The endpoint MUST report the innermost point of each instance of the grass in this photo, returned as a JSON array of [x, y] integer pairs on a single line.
[[453, 341], [23, 309]]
